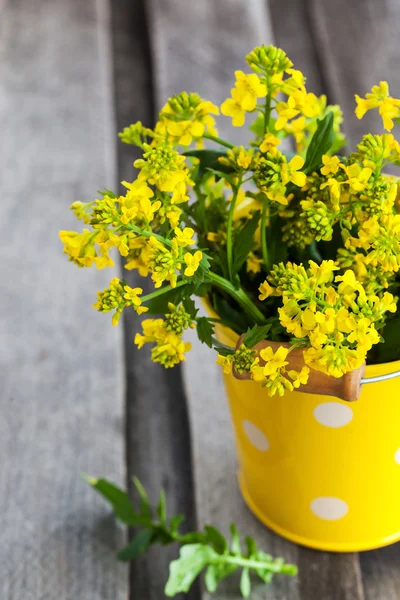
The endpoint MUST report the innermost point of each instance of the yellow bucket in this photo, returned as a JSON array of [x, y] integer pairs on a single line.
[[319, 471]]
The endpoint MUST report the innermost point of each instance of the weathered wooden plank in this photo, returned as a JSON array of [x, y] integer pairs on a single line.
[[61, 389], [157, 432], [197, 47], [359, 44]]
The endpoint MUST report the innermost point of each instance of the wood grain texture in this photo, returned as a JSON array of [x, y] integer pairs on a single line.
[[61, 391], [197, 47], [157, 428]]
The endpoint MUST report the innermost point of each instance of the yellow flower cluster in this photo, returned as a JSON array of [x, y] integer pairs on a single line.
[[266, 368], [169, 349], [186, 118], [378, 97], [251, 207], [116, 297], [332, 315], [273, 173]]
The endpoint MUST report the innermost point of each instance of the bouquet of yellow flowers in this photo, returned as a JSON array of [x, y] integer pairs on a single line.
[[285, 238]]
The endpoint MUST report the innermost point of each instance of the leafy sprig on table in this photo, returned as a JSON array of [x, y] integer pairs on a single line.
[[206, 550]]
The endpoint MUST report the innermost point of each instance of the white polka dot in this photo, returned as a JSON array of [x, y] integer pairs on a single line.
[[397, 456], [329, 508], [333, 414], [255, 436]]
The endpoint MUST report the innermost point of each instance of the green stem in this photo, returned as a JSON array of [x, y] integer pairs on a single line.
[[264, 247], [239, 295], [229, 227], [148, 234], [218, 140], [267, 113], [255, 564], [162, 291]]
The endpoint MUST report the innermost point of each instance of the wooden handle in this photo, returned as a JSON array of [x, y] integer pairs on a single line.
[[347, 387]]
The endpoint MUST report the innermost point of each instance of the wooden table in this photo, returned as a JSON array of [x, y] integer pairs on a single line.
[[75, 394]]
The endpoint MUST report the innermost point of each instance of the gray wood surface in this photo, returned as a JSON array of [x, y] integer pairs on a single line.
[[157, 428], [61, 363]]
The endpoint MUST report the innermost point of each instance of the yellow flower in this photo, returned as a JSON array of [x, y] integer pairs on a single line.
[[334, 188], [184, 238], [249, 88], [389, 108], [323, 272], [331, 165], [232, 107], [192, 261], [162, 166], [269, 143], [299, 378], [286, 110], [244, 97], [132, 294], [265, 290], [349, 283], [274, 361], [244, 158], [225, 362], [290, 171], [357, 176], [186, 117], [253, 263]]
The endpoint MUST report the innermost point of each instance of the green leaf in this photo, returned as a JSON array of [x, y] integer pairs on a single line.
[[175, 522], [107, 192], [277, 250], [250, 545], [216, 573], [235, 544], [256, 334], [209, 160], [390, 349], [190, 307], [162, 508], [223, 175], [145, 508], [320, 143], [119, 500], [216, 539], [245, 585], [244, 243], [159, 305], [184, 570], [205, 331], [137, 546]]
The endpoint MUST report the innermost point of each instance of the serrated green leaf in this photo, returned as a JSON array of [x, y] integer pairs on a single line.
[[251, 545], [245, 585], [244, 242], [119, 500], [256, 334], [209, 160], [190, 307], [184, 570], [235, 543], [137, 546], [205, 331], [162, 508], [216, 539], [320, 143], [175, 523], [145, 508]]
